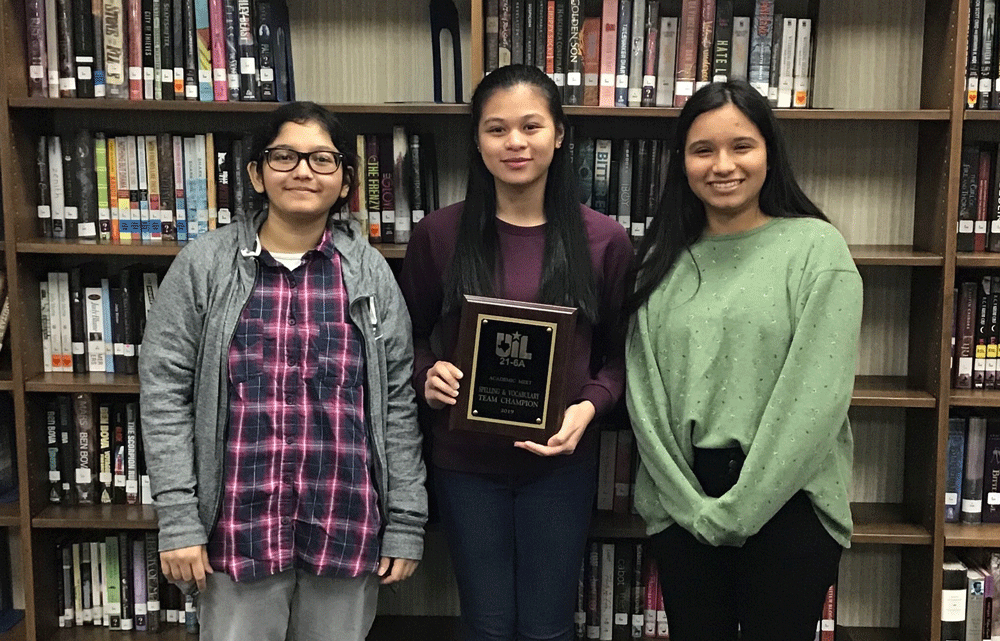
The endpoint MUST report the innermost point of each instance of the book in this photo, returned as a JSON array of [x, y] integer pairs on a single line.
[[761, 33], [246, 47], [387, 194], [972, 480], [264, 16], [651, 58], [609, 53], [574, 54], [803, 63], [623, 51], [666, 62], [636, 59], [686, 66], [401, 172], [723, 48], [703, 69], [954, 469]]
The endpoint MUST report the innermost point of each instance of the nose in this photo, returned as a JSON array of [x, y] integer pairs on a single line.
[[302, 169], [515, 139], [723, 162]]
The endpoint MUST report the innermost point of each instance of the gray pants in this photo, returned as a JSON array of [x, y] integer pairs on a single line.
[[289, 606]]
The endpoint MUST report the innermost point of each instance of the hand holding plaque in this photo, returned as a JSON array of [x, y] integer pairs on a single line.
[[513, 356]]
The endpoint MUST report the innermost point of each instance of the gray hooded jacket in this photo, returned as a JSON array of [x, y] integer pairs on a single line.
[[184, 384]]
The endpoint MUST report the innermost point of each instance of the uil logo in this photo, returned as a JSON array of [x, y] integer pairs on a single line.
[[513, 346]]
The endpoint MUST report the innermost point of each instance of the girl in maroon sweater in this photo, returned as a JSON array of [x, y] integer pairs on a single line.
[[516, 514]]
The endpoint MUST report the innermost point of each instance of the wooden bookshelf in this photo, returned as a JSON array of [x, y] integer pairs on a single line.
[[6, 385], [104, 517], [96, 382], [888, 391], [977, 260], [784, 114], [845, 633], [886, 523], [894, 256], [974, 398], [972, 536], [174, 106], [10, 515], [168, 633]]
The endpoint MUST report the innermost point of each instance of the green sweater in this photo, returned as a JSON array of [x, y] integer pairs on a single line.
[[761, 354]]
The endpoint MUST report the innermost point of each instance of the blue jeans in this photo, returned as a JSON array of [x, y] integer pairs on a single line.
[[517, 547]]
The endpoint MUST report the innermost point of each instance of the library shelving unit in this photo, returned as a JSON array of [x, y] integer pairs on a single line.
[[879, 152]]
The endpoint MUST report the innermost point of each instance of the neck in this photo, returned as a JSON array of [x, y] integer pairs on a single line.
[[723, 223], [521, 206], [284, 236]]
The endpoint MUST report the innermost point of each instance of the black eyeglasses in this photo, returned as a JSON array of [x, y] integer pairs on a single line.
[[321, 161]]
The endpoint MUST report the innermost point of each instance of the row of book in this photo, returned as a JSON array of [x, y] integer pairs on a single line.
[[982, 74], [208, 50], [94, 449], [139, 188], [619, 597], [616, 471], [975, 333], [972, 477], [968, 597], [115, 582], [397, 183], [624, 53], [622, 178], [979, 199], [91, 323]]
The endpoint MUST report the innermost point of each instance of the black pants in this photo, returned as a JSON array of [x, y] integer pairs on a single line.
[[771, 589]]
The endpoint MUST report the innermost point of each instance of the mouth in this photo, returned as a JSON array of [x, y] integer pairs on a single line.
[[516, 162], [725, 185]]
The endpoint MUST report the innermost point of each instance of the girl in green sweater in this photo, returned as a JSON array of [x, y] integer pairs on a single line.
[[741, 356]]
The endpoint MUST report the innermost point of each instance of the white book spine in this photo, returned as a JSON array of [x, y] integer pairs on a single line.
[[180, 203], [62, 279], [135, 215], [45, 322], [400, 184], [606, 604], [667, 59], [741, 48], [201, 180], [93, 298], [109, 344], [803, 51], [96, 601], [146, 232], [636, 50], [786, 70], [56, 195], [190, 185]]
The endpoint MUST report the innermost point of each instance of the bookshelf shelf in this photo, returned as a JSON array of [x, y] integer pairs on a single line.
[[786, 114], [174, 106], [157, 248], [845, 633], [168, 633], [977, 259], [62, 382], [104, 517], [894, 255], [976, 114], [14, 634], [6, 385], [974, 398], [889, 391], [886, 523], [971, 536], [10, 515]]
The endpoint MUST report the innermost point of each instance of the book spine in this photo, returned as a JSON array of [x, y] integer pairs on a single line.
[[145, 229], [602, 175], [778, 23], [83, 48], [386, 193], [541, 32], [637, 617], [624, 555], [722, 56], [153, 188], [637, 37], [44, 194], [574, 54], [249, 89], [265, 49], [131, 453], [400, 173], [78, 330], [157, 46], [34, 19], [52, 440], [991, 474], [703, 71], [165, 173], [152, 560], [667, 62], [803, 68], [625, 184], [94, 311], [167, 44], [210, 194], [994, 207], [105, 477], [590, 43], [96, 602], [982, 199], [115, 214], [125, 577], [191, 187], [652, 54], [760, 45], [113, 574], [201, 184], [418, 200], [559, 46], [178, 13], [974, 47], [84, 165], [786, 72], [190, 51], [609, 53], [71, 187], [203, 43], [97, 30], [139, 583], [606, 602], [530, 17], [115, 54], [491, 42], [583, 163], [972, 481], [148, 57], [127, 188], [67, 58], [623, 51], [180, 194], [966, 240], [231, 22], [101, 180], [134, 48], [217, 29], [223, 200], [964, 348], [686, 66], [504, 35], [550, 39], [83, 412], [741, 48]]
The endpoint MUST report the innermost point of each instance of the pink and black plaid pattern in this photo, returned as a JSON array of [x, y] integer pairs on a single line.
[[298, 490]]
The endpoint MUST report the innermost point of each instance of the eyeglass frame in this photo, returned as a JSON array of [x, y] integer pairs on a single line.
[[304, 155]]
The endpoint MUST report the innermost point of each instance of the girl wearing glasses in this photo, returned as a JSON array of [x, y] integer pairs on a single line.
[[278, 418], [516, 514]]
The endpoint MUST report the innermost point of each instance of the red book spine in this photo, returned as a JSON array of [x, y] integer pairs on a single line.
[[220, 84], [687, 51], [134, 50], [982, 202], [550, 37], [609, 53]]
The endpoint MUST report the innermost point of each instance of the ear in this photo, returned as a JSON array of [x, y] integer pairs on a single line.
[[345, 184], [560, 134], [256, 178]]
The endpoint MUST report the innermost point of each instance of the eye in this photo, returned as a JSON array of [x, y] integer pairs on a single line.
[[283, 155], [323, 159]]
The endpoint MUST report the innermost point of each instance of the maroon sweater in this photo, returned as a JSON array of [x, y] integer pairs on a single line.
[[428, 258]]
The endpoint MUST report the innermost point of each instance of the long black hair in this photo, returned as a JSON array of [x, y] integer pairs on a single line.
[[567, 273], [302, 113], [679, 220]]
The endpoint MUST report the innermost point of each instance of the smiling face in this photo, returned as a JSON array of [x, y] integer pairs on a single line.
[[517, 136], [300, 194], [725, 160]]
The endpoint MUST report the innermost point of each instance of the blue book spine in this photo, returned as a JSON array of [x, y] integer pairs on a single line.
[[956, 459], [109, 352]]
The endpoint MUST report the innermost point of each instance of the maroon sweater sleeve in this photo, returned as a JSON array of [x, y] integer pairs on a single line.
[[428, 254]]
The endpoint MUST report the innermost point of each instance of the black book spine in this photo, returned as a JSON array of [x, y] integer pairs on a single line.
[[541, 33], [177, 39], [52, 445], [71, 188], [67, 58], [529, 32], [190, 52], [232, 58], [65, 410], [78, 332], [83, 48], [574, 54], [722, 60], [86, 180], [517, 32], [265, 49], [166, 78], [386, 193], [44, 207], [152, 582], [246, 47], [118, 495], [559, 51], [125, 575]]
